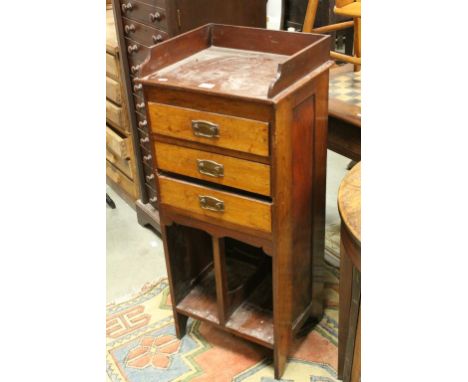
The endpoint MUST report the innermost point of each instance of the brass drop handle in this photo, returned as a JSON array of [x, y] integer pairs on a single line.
[[153, 199], [127, 7], [210, 168], [137, 87], [150, 177], [135, 68], [143, 123], [156, 16], [129, 28], [144, 140], [157, 38], [210, 203], [140, 105], [147, 157], [205, 129], [132, 48]]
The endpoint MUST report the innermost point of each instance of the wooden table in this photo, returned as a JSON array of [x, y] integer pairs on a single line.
[[344, 112], [349, 333]]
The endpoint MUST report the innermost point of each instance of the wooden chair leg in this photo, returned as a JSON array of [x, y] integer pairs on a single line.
[[357, 41]]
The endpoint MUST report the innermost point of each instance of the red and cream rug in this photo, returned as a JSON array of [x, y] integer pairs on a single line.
[[142, 346]]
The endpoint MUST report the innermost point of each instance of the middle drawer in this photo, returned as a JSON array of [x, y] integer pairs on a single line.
[[229, 171]]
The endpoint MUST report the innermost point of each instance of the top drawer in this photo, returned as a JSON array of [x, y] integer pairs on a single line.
[[219, 130], [155, 3], [145, 13]]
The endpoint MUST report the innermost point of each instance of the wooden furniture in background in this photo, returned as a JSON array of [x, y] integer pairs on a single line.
[[349, 332], [120, 161], [143, 23], [238, 130], [344, 112], [347, 8]]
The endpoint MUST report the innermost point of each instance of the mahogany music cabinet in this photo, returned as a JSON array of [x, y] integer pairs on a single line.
[[238, 133]]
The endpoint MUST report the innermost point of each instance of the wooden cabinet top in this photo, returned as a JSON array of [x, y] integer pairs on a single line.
[[236, 61]]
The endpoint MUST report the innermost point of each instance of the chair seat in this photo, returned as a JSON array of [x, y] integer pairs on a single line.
[[351, 10]]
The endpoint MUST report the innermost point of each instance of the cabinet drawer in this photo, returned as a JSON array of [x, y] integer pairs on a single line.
[[142, 33], [113, 91], [233, 172], [155, 3], [136, 53], [115, 115], [120, 146], [145, 13], [229, 207], [123, 165], [216, 129], [112, 68], [120, 180]]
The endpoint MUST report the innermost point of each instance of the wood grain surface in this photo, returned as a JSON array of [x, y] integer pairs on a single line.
[[349, 201]]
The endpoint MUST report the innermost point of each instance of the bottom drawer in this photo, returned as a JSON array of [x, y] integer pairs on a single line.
[[121, 180], [215, 204]]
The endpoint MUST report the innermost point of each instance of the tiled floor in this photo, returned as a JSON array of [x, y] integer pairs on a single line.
[[135, 254]]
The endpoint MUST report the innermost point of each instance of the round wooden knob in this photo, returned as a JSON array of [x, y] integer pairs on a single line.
[[143, 123], [157, 38], [132, 48], [127, 7], [137, 87], [135, 68], [129, 28], [156, 16]]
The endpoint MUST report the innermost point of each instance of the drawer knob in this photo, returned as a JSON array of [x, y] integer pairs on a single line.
[[132, 48], [135, 68], [140, 105], [129, 28], [137, 87], [127, 7], [210, 168], [156, 16], [150, 177], [153, 199], [205, 129], [143, 123], [157, 38], [144, 140], [147, 157], [210, 203]]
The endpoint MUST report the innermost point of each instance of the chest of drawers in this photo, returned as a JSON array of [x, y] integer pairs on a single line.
[[143, 23], [237, 122]]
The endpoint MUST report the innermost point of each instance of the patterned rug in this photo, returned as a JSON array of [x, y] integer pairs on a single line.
[[142, 346]]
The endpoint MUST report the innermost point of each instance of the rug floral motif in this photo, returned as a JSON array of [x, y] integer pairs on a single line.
[[142, 346]]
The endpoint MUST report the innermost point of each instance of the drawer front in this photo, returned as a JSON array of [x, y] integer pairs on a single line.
[[195, 199], [142, 33], [113, 91], [114, 114], [239, 173], [139, 104], [145, 13], [155, 3], [137, 89], [136, 53], [142, 122], [144, 140], [123, 165], [120, 146], [120, 180], [112, 68], [230, 132]]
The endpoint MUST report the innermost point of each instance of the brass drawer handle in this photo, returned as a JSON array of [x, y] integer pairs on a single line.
[[135, 68], [153, 199], [137, 87], [129, 28], [147, 157], [132, 48], [127, 7], [150, 177], [210, 203], [140, 105], [156, 16], [157, 38], [144, 140], [205, 129], [143, 123], [210, 168]]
